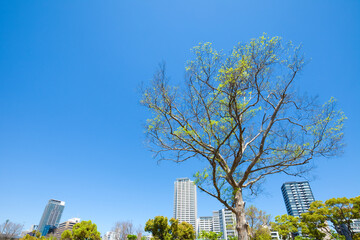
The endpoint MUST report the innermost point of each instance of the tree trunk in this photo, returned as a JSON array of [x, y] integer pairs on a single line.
[[241, 225]]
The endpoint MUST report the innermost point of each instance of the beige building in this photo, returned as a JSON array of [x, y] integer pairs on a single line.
[[68, 225]]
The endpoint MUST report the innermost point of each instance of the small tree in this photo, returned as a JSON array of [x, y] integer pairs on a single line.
[[85, 230], [66, 235], [158, 227], [210, 235], [35, 235], [132, 237], [10, 230], [258, 222], [241, 113], [340, 212], [161, 230], [286, 226], [181, 231], [262, 233]]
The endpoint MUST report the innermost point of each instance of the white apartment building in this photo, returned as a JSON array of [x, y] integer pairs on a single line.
[[109, 236], [355, 225], [185, 201], [227, 223], [275, 235], [216, 222], [205, 224]]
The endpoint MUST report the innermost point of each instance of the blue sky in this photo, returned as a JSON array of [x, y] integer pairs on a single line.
[[70, 118]]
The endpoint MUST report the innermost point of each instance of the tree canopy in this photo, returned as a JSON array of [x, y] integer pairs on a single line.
[[132, 237], [210, 235], [340, 212], [241, 112], [161, 230], [286, 226], [84, 230], [322, 220]]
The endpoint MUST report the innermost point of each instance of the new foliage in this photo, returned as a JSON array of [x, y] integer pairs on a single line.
[[241, 113]]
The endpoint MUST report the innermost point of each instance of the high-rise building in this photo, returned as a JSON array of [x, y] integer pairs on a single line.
[[68, 225], [297, 196], [51, 216], [205, 224], [185, 202]]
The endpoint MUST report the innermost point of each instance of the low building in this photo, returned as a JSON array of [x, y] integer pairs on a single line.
[[274, 235], [109, 236], [355, 225], [68, 225], [205, 224]]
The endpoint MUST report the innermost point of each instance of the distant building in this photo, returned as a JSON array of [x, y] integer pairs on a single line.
[[344, 230], [185, 202], [297, 197], [51, 216], [34, 228], [205, 224], [29, 231], [148, 237], [68, 225], [109, 236], [274, 235], [355, 225]]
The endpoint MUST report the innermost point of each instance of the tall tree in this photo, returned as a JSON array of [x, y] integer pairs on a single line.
[[243, 115], [286, 226], [10, 230], [85, 230]]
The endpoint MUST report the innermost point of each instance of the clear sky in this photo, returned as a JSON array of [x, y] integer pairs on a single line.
[[71, 126]]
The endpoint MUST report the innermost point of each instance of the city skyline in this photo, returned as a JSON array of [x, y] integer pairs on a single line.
[[70, 118]]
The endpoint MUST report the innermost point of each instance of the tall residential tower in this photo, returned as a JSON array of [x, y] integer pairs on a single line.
[[51, 216], [185, 202], [297, 196]]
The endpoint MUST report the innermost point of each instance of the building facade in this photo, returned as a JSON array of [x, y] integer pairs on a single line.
[[297, 197], [227, 223], [51, 216], [205, 224], [68, 225], [185, 201], [216, 222], [109, 236]]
